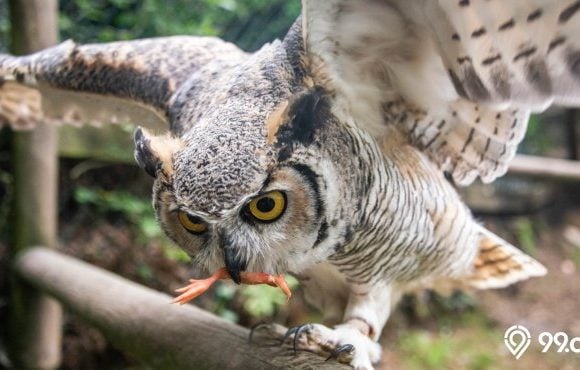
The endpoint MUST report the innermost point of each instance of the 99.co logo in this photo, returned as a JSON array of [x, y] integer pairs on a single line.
[[517, 339], [560, 339]]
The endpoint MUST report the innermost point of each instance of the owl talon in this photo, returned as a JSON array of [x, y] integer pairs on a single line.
[[288, 333], [256, 278], [299, 330], [343, 353], [296, 331], [255, 328]]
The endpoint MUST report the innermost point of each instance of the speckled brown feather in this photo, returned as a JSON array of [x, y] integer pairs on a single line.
[[102, 83]]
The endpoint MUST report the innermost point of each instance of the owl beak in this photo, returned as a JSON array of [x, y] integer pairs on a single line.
[[234, 264]]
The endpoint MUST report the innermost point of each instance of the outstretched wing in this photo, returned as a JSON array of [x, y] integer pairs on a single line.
[[459, 77], [128, 81]]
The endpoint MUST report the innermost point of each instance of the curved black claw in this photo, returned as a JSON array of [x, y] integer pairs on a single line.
[[297, 330], [254, 328], [342, 353]]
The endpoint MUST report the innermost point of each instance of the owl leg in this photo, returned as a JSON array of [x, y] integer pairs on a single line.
[[344, 343], [354, 341]]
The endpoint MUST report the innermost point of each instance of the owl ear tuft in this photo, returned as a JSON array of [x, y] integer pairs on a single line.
[[297, 119], [154, 153]]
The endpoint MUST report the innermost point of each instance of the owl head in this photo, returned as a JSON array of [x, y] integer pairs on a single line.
[[248, 192]]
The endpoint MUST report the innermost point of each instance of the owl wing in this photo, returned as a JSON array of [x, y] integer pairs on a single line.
[[458, 77], [126, 82]]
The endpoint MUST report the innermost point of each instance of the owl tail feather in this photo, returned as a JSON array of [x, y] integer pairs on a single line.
[[500, 264]]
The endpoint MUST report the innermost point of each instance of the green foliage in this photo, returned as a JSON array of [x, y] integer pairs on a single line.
[[458, 301], [225, 293], [429, 352], [144, 272], [468, 343], [526, 235], [263, 300], [136, 210], [247, 23], [109, 143], [4, 26], [105, 201], [575, 256], [536, 141]]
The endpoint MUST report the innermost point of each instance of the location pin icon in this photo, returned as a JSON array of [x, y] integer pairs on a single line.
[[517, 340]]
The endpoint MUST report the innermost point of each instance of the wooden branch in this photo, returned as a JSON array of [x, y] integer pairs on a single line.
[[552, 168], [144, 324], [34, 335]]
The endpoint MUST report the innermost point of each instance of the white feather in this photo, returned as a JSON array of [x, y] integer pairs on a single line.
[[436, 60]]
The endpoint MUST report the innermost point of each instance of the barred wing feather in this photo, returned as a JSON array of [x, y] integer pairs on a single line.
[[458, 77]]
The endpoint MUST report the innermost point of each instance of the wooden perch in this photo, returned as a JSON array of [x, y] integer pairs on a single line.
[[142, 322], [549, 168]]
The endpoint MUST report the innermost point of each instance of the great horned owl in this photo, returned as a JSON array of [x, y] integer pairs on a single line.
[[324, 154]]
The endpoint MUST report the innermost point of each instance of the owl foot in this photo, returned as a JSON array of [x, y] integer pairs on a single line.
[[345, 343], [198, 287], [343, 354]]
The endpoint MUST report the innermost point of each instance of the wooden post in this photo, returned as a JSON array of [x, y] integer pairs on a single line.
[[35, 319], [545, 168]]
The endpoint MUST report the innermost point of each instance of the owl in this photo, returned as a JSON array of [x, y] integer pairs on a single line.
[[333, 153]]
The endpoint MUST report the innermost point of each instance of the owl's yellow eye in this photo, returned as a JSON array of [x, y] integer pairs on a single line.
[[193, 224], [268, 207]]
